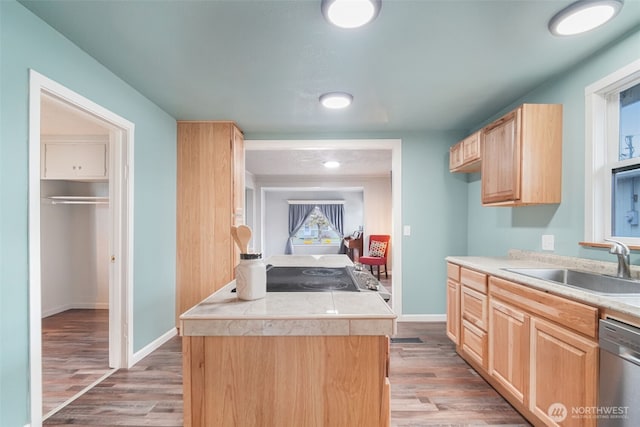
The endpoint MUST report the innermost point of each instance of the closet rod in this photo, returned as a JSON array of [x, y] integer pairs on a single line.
[[78, 202]]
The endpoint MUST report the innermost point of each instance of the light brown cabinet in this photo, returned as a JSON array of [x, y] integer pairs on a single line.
[[537, 349], [509, 348], [465, 155], [453, 302], [564, 370], [273, 381], [210, 199], [473, 309], [522, 157]]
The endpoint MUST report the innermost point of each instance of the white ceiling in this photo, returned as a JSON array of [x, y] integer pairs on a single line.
[[310, 162], [421, 65], [59, 118]]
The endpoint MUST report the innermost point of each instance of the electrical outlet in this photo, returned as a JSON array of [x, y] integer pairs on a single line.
[[548, 242]]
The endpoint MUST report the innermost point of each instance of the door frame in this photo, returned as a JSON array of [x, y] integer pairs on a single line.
[[120, 228], [395, 145]]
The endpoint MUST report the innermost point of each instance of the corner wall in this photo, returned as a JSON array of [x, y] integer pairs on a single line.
[[493, 231], [29, 43]]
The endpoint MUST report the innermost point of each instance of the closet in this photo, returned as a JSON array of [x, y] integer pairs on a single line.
[[75, 263], [74, 223]]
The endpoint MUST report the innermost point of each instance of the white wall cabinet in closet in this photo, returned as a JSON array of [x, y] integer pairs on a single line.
[[75, 159]]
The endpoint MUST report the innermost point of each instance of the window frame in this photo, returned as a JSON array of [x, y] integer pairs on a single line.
[[320, 242], [602, 150]]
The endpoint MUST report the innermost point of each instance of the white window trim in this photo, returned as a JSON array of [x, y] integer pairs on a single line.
[[597, 214]]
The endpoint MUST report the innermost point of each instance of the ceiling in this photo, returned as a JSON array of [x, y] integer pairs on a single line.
[[421, 65]]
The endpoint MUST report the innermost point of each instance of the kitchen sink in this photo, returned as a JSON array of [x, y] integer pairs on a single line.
[[593, 282]]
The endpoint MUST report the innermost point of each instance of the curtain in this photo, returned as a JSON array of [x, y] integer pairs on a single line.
[[335, 215], [297, 216]]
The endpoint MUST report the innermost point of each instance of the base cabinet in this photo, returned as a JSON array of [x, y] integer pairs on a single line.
[[537, 349], [509, 348], [274, 381], [564, 375], [453, 311]]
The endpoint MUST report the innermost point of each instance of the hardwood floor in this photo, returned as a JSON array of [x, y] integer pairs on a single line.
[[430, 385], [75, 354]]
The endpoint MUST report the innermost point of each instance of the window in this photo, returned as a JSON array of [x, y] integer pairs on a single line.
[[612, 173], [317, 230]]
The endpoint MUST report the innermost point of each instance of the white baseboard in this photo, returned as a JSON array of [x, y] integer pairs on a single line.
[[153, 345], [78, 305], [422, 318]]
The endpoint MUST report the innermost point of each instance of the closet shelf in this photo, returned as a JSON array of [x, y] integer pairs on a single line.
[[78, 200]]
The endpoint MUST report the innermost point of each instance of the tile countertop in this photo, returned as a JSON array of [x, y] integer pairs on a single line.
[[291, 313], [495, 265]]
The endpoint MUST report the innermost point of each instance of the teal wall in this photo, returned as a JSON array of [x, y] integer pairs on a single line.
[[493, 231], [434, 204], [27, 42]]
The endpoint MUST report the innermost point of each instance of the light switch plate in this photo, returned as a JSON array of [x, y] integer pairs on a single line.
[[548, 242], [407, 230]]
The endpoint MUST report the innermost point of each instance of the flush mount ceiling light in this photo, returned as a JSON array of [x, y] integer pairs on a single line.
[[331, 164], [336, 100], [583, 16], [350, 13]]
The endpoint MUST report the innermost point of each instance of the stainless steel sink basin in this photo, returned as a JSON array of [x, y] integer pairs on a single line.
[[592, 282]]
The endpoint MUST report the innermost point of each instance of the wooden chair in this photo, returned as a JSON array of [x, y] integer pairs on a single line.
[[378, 249]]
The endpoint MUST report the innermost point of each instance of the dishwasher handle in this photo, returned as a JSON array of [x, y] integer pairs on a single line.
[[620, 339], [629, 355]]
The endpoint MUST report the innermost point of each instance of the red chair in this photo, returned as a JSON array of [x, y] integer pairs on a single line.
[[378, 249]]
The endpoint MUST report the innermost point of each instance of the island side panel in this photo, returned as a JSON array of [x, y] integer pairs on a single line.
[[284, 380]]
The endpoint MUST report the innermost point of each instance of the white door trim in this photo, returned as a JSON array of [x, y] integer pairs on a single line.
[[121, 206], [395, 145]]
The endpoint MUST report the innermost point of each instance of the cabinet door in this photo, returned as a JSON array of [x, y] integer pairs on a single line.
[[83, 160], [563, 374], [91, 160], [473, 342], [501, 160], [455, 156], [59, 161], [471, 148], [509, 348], [473, 306], [238, 176], [453, 311]]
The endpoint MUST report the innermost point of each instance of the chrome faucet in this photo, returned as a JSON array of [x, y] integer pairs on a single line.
[[622, 251]]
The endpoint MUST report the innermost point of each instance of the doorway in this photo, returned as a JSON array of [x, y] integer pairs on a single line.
[[107, 192], [313, 146]]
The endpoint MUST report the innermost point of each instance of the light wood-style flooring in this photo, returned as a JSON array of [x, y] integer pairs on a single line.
[[75, 354], [430, 385]]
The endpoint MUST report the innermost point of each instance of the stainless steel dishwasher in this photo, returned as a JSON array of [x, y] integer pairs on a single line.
[[619, 390]]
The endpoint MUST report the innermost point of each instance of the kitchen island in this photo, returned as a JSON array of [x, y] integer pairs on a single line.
[[289, 359]]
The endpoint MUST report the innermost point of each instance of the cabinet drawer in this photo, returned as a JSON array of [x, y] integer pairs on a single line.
[[474, 343], [471, 148], [453, 272], [571, 314], [474, 280], [473, 306]]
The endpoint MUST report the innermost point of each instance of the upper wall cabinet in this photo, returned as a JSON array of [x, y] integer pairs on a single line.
[[75, 158], [465, 155], [522, 157]]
